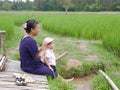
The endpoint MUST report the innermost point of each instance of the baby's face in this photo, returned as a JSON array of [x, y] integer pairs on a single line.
[[51, 46]]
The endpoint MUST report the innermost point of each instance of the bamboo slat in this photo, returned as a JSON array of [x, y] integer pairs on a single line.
[[7, 81]]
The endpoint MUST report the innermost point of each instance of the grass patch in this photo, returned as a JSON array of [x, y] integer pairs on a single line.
[[60, 85], [84, 70], [101, 84], [16, 56]]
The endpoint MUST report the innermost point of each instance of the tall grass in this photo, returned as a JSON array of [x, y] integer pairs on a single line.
[[20, 19], [86, 26], [7, 24], [13, 33], [112, 42], [98, 26], [80, 26]]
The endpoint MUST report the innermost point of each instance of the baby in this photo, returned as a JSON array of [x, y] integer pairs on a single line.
[[49, 56]]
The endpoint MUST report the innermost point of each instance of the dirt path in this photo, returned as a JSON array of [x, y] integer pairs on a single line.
[[84, 83]]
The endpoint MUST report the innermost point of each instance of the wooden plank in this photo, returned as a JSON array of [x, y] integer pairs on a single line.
[[7, 81], [0, 57], [16, 68], [18, 88], [10, 78], [2, 32], [61, 56], [2, 62], [4, 83], [12, 85], [3, 42], [32, 75]]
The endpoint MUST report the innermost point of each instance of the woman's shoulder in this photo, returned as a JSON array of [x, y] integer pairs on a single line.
[[28, 40]]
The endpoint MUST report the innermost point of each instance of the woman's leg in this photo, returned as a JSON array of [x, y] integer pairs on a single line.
[[44, 70], [55, 71]]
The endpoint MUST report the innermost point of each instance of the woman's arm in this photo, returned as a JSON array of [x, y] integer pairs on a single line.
[[41, 51]]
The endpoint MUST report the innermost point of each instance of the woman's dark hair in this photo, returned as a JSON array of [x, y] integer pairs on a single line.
[[30, 24]]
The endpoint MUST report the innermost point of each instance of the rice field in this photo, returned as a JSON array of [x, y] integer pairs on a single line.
[[6, 24], [99, 27], [104, 27]]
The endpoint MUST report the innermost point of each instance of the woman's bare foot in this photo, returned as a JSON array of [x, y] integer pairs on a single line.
[[68, 80]]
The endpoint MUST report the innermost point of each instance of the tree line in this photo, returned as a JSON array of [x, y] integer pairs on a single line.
[[61, 5]]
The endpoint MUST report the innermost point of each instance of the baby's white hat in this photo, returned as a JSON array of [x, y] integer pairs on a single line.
[[47, 40]]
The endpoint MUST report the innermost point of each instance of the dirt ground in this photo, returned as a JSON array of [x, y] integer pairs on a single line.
[[83, 83]]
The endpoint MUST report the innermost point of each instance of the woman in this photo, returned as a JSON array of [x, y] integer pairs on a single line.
[[29, 53]]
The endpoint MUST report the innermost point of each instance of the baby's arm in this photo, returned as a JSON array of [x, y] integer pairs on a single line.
[[46, 62]]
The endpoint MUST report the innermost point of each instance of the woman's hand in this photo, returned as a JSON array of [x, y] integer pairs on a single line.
[[39, 49], [42, 48]]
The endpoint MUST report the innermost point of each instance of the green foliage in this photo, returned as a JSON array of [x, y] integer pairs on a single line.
[[79, 26], [112, 42], [94, 6], [6, 6], [60, 85], [100, 83], [83, 70], [21, 20], [7, 24], [65, 4], [16, 56], [13, 34], [60, 5]]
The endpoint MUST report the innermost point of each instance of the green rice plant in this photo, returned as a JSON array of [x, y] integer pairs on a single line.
[[20, 19], [111, 41], [80, 26], [7, 24]]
